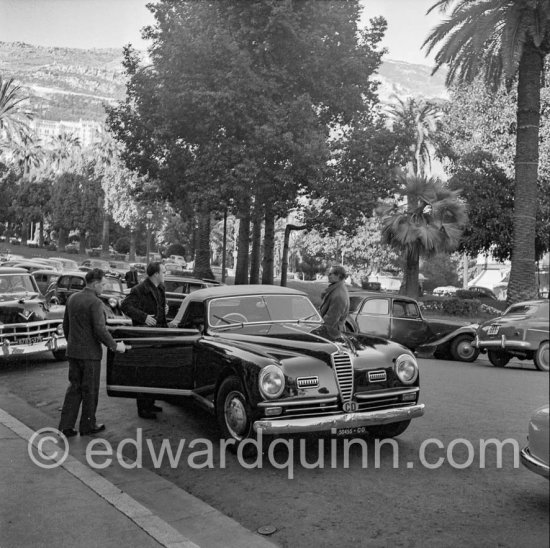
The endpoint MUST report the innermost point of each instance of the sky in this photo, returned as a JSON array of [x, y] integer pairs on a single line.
[[114, 23]]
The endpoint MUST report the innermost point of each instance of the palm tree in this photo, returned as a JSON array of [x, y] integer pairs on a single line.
[[433, 225], [419, 119], [502, 39], [13, 116]]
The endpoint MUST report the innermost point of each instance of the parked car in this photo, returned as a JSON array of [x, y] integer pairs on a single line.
[[260, 358], [445, 291], [57, 265], [72, 248], [29, 266], [68, 264], [119, 268], [399, 319], [178, 287], [521, 331], [535, 455], [44, 278], [89, 264], [483, 292], [112, 295], [28, 325]]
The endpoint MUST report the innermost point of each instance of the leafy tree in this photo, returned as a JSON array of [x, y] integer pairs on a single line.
[[235, 107], [440, 270], [13, 115], [433, 226], [501, 39]]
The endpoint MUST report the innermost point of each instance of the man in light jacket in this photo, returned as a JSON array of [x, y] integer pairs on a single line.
[[335, 305]]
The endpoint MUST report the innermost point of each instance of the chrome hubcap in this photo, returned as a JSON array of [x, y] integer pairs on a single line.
[[465, 349], [235, 415], [544, 357]]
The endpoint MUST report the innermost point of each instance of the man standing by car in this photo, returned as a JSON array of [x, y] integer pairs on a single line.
[[335, 305], [146, 306], [85, 329], [131, 277]]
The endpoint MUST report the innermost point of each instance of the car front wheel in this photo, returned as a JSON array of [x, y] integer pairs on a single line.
[[389, 430], [541, 357], [498, 358], [233, 411], [462, 349]]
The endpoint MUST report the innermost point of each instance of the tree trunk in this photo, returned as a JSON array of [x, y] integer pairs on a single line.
[[255, 256], [269, 247], [132, 253], [82, 244], [62, 239], [241, 272], [284, 266], [105, 234], [202, 254], [411, 274], [41, 233], [522, 285]]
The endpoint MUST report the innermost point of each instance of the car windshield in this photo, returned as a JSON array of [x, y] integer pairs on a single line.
[[17, 283], [260, 309]]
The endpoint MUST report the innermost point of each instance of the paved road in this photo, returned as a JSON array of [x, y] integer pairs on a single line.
[[354, 501]]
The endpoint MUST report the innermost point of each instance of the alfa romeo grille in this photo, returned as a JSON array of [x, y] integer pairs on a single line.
[[344, 374]]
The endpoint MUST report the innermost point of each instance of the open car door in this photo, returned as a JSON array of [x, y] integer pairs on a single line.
[[160, 361]]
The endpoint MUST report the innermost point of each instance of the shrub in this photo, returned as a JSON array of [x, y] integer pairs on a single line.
[[453, 306], [122, 245], [174, 249], [94, 253], [51, 247], [467, 294]]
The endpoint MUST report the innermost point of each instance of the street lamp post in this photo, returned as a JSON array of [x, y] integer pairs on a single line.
[[149, 216]]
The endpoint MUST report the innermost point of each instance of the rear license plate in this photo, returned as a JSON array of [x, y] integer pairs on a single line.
[[353, 431], [493, 330]]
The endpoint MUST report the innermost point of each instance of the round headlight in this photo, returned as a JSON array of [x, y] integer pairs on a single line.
[[113, 303], [271, 381], [406, 368], [59, 329]]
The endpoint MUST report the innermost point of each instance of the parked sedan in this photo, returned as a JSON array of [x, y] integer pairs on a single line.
[[178, 287], [535, 455], [73, 282], [521, 331], [260, 358], [44, 278], [399, 319]]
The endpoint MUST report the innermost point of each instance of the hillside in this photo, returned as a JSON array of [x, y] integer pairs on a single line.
[[73, 84]]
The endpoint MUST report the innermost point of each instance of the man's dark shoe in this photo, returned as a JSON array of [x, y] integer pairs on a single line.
[[69, 432], [147, 415], [94, 430], [156, 409]]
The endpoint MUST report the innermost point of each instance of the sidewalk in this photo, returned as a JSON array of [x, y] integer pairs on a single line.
[[73, 505]]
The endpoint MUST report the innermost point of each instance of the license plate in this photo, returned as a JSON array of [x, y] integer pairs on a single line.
[[30, 340], [353, 431], [493, 330]]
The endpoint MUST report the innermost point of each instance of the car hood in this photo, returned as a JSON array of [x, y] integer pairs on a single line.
[[284, 340]]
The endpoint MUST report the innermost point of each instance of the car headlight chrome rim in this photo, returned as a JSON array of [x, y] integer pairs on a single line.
[[271, 382], [113, 303], [406, 368]]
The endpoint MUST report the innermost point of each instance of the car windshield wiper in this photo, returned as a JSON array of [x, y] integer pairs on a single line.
[[229, 322], [308, 318]]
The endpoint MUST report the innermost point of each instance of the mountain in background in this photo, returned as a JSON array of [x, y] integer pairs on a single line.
[[74, 84]]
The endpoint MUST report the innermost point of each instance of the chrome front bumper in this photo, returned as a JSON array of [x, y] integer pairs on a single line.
[[47, 345], [342, 420], [534, 464], [503, 343]]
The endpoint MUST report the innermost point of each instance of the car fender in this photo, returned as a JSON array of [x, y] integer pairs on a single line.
[[465, 329]]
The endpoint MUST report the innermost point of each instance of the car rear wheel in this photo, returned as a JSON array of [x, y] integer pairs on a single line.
[[462, 349], [233, 412], [389, 430], [60, 355], [498, 358], [541, 357]]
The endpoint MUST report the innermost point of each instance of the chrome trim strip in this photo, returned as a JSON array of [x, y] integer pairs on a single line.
[[309, 401], [383, 394], [534, 464], [342, 420], [149, 390]]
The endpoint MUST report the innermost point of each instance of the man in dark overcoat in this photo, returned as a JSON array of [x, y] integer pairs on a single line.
[[85, 328], [146, 306], [335, 304]]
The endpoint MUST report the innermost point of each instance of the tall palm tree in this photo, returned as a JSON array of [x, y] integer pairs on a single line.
[[13, 115], [502, 39], [420, 119], [433, 225]]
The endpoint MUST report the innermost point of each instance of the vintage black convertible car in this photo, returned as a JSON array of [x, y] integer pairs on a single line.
[[259, 357], [28, 325]]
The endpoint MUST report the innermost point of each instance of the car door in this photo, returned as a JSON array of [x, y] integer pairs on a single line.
[[374, 317], [160, 361], [408, 327], [77, 284], [62, 290]]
